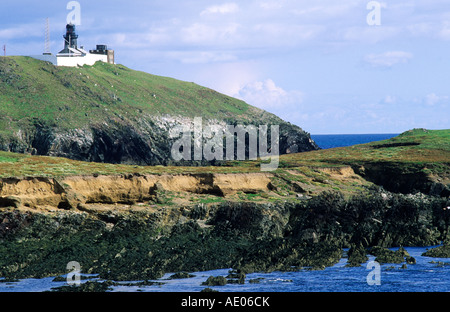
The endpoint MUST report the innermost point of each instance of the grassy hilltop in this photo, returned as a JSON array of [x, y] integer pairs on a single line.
[[71, 97], [113, 114]]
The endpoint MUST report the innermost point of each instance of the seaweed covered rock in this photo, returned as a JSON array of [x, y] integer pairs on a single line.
[[410, 260], [215, 281], [288, 255], [253, 220], [89, 286], [356, 256], [180, 275], [438, 252], [236, 277], [385, 255], [144, 244], [375, 219]]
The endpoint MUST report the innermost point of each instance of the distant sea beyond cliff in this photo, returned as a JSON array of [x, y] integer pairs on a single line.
[[326, 141]]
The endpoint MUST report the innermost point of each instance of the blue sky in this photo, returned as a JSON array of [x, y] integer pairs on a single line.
[[318, 64]]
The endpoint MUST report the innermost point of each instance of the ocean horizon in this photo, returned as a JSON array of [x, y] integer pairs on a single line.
[[326, 141]]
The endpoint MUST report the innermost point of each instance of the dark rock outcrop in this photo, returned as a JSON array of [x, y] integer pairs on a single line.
[[400, 178], [141, 142], [145, 244]]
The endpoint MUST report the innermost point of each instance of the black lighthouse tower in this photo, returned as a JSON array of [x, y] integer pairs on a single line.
[[70, 39]]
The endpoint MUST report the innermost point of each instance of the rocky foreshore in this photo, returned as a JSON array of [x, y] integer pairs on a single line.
[[148, 240]]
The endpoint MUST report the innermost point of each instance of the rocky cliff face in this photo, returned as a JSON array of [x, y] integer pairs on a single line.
[[393, 177], [145, 141]]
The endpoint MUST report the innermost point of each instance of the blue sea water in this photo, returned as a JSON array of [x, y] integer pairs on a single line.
[[326, 141], [427, 275]]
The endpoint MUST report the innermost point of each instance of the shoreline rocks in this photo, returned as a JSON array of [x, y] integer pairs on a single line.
[[246, 236]]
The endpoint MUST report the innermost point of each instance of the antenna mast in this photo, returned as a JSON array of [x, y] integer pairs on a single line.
[[4, 49], [47, 36]]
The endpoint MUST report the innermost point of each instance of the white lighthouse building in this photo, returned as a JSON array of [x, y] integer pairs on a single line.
[[73, 56]]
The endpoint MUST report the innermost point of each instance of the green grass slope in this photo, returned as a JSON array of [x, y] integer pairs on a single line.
[[110, 113], [416, 160], [71, 97], [415, 147]]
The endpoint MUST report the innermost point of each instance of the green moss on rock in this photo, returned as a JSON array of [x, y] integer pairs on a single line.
[[215, 281], [438, 252]]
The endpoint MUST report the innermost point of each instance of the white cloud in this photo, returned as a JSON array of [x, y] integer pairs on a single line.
[[271, 34], [201, 57], [388, 59], [272, 5], [444, 33], [322, 10], [22, 31], [267, 95], [421, 29], [367, 34], [225, 8], [206, 34], [432, 99], [227, 77], [389, 99]]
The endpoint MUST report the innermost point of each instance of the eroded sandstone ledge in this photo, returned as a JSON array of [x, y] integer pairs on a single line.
[[75, 191], [137, 227]]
